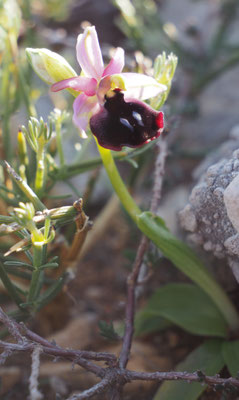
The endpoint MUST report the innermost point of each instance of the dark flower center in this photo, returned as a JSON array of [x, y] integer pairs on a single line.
[[123, 122]]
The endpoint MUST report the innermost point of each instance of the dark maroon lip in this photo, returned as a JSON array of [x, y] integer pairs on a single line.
[[126, 122], [127, 145]]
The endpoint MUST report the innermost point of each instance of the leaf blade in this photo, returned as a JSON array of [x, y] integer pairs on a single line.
[[207, 358], [230, 352], [187, 306], [187, 262]]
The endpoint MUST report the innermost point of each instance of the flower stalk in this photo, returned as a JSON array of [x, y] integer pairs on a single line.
[[40, 172], [59, 143], [37, 262], [23, 156], [118, 184]]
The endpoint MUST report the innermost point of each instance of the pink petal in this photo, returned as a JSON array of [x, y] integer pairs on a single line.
[[141, 86], [116, 63], [80, 84], [84, 107], [89, 54]]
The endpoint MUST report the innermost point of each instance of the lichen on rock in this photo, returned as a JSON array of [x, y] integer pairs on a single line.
[[212, 214]]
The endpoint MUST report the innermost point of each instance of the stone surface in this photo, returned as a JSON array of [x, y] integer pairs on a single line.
[[231, 196], [212, 214]]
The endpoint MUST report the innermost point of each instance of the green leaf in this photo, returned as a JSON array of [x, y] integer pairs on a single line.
[[206, 358], [146, 323], [50, 293], [49, 266], [230, 352], [187, 306], [16, 272], [78, 168], [132, 162], [18, 264], [107, 330], [9, 286], [172, 248], [187, 262]]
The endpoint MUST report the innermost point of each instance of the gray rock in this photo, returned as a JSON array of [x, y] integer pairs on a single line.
[[212, 214]]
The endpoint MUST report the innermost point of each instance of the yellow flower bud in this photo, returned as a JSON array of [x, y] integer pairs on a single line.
[[49, 66]]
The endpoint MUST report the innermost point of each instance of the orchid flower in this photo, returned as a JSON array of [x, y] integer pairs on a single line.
[[109, 101]]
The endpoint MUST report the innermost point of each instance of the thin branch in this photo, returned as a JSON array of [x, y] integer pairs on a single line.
[[71, 355], [35, 394], [54, 349], [47, 347], [112, 377], [133, 277], [17, 347], [120, 376], [130, 305], [182, 376], [12, 326], [96, 389]]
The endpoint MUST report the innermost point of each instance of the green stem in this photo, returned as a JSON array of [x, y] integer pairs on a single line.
[[5, 103], [47, 227], [25, 189], [37, 262], [25, 91], [68, 171], [202, 278], [118, 184], [59, 143], [40, 172]]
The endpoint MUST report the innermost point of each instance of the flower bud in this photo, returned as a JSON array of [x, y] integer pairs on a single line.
[[49, 66], [22, 148], [164, 69]]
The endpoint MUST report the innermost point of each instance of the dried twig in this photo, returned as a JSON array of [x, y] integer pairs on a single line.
[[54, 349], [35, 394], [111, 377], [133, 277], [96, 389], [130, 305], [78, 357], [182, 376], [12, 327]]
